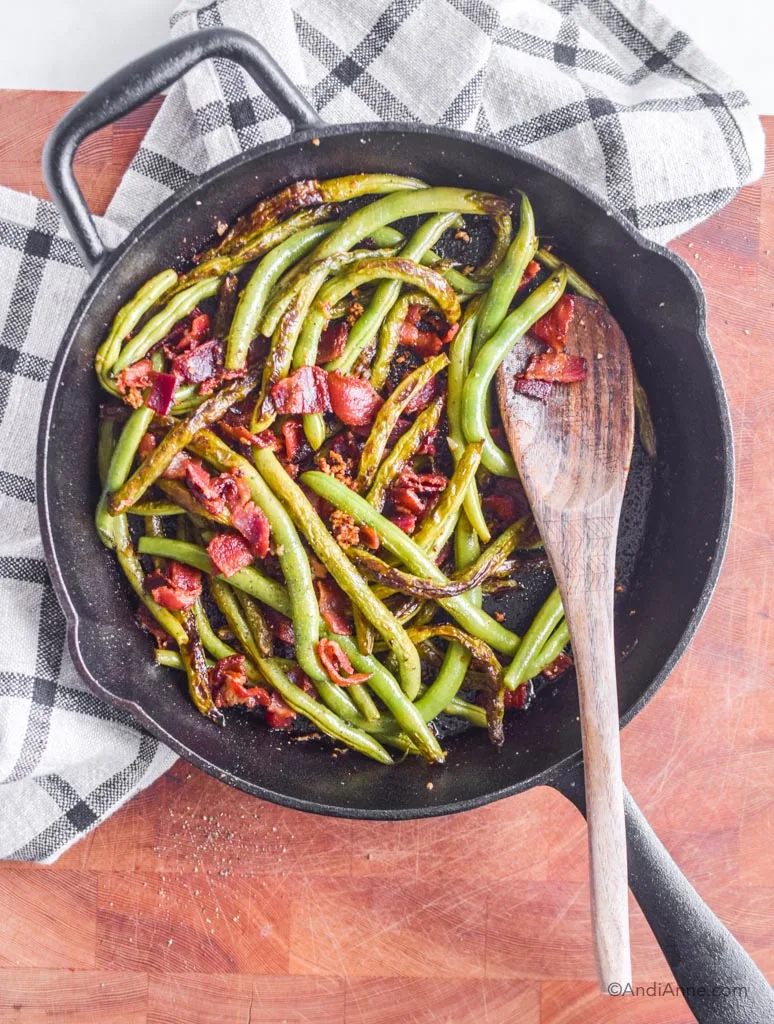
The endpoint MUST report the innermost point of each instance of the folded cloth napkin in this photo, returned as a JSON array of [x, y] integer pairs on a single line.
[[606, 88]]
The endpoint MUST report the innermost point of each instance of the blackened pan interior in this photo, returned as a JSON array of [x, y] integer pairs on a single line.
[[660, 308]]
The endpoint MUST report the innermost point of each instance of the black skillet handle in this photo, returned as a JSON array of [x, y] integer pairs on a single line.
[[132, 86], [720, 981]]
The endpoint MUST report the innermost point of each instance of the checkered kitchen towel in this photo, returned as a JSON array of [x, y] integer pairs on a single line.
[[606, 88]]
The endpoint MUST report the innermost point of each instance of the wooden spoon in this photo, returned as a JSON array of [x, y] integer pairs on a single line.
[[573, 456]]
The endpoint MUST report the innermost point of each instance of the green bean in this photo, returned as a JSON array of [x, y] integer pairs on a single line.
[[387, 689], [251, 580], [645, 426], [473, 713], [130, 564], [181, 496], [162, 323], [475, 621], [155, 508], [501, 227], [507, 278], [105, 445], [259, 628], [178, 437], [367, 326], [339, 566], [325, 719], [459, 364], [119, 469], [459, 282], [468, 556], [390, 332], [192, 657], [405, 449], [363, 222], [512, 329], [219, 648], [438, 525], [541, 628], [480, 651], [125, 321], [364, 702], [389, 414], [574, 280], [553, 647], [228, 293], [226, 600], [364, 632], [254, 299]]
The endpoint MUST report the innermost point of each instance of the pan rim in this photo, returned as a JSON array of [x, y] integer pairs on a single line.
[[149, 223]]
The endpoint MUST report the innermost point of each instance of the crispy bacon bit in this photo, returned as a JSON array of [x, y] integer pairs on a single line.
[[162, 393], [414, 491], [147, 443], [239, 433], [149, 624], [228, 682], [338, 666], [518, 698], [552, 327], [176, 590], [281, 626], [404, 520], [533, 267], [343, 528], [507, 504], [333, 605], [425, 395], [557, 367], [558, 666], [131, 381], [304, 391], [353, 400], [229, 553], [199, 364], [426, 331], [370, 537], [205, 488], [181, 339], [407, 500], [278, 714], [332, 341], [297, 448], [252, 523], [537, 389], [176, 470]]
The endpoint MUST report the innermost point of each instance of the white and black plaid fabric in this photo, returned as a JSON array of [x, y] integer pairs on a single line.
[[606, 88]]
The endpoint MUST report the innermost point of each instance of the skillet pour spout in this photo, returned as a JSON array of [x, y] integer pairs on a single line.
[[660, 307]]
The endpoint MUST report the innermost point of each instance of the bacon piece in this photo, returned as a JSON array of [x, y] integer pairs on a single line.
[[333, 605], [558, 666], [370, 537], [507, 504], [551, 328], [425, 395], [355, 401], [558, 367], [278, 714], [131, 381], [149, 624], [404, 520], [199, 364], [426, 331], [332, 341], [533, 267], [162, 393], [182, 338], [537, 389], [518, 698], [235, 489], [297, 448], [229, 553], [406, 499], [228, 682], [414, 491], [176, 590], [304, 391], [338, 666], [176, 470], [281, 626], [147, 443], [252, 523], [205, 488], [237, 432]]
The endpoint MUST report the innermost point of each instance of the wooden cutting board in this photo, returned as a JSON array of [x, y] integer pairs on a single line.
[[196, 903]]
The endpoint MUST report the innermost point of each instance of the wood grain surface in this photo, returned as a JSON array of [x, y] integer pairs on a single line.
[[196, 903]]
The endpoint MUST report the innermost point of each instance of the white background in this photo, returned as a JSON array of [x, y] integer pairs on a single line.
[[73, 44]]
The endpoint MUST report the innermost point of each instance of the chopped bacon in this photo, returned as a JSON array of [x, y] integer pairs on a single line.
[[558, 367], [278, 714], [162, 393], [205, 488], [537, 389], [426, 331], [229, 684], [149, 624], [533, 268], [176, 470], [199, 364], [333, 605], [240, 433], [297, 448], [425, 395], [304, 391], [147, 443], [404, 520], [252, 523], [235, 489], [181, 339], [406, 499], [131, 381], [414, 491], [507, 504], [229, 553], [332, 341], [518, 698], [281, 626], [558, 666], [428, 446], [338, 666], [177, 589], [370, 537], [551, 328], [355, 401]]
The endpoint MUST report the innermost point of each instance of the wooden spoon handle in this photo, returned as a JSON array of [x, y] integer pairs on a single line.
[[585, 575]]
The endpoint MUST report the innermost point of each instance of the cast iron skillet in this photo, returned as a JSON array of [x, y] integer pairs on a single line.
[[660, 306]]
